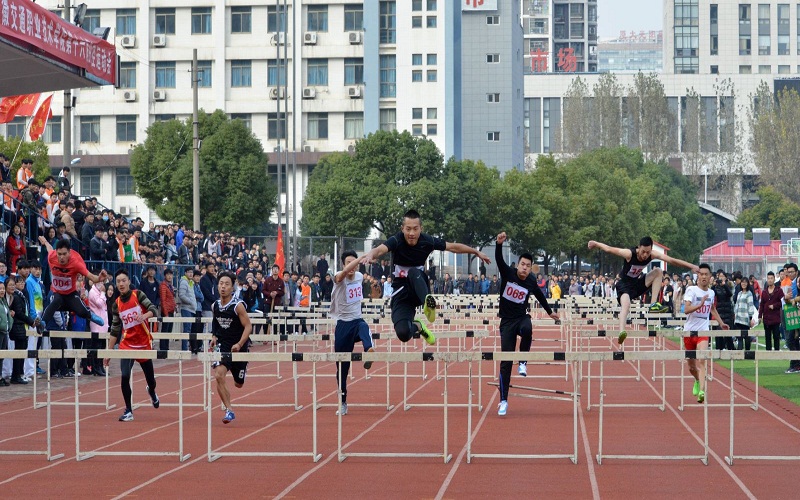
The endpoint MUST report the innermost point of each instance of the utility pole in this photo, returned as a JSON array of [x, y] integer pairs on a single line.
[[67, 133], [195, 148]]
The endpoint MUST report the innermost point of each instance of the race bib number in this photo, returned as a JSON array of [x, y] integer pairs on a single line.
[[130, 318], [515, 293], [402, 271], [62, 283], [354, 292], [635, 271]]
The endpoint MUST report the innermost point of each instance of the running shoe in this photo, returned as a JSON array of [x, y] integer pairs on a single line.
[[696, 388], [792, 370], [502, 408], [701, 396], [368, 364], [658, 307], [127, 416], [430, 308], [153, 397], [343, 410], [40, 371], [229, 417], [428, 335], [622, 336], [97, 320], [523, 369]]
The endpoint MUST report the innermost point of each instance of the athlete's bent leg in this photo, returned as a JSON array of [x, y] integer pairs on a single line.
[[126, 366], [224, 395], [344, 341], [653, 280], [625, 305], [508, 343]]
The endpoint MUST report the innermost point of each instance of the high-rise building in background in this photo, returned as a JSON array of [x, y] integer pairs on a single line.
[[560, 35], [632, 52]]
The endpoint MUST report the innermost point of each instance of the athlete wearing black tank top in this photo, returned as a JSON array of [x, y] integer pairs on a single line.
[[633, 283]]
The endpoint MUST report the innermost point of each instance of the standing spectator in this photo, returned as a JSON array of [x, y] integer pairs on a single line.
[[667, 294], [18, 333], [99, 306], [166, 297], [387, 287], [469, 285], [25, 173], [68, 221], [87, 233], [273, 289], [744, 311], [197, 327], [322, 266], [484, 285], [494, 286], [97, 245], [316, 290], [790, 299], [555, 289], [186, 303], [769, 312], [723, 293], [15, 248], [6, 320], [208, 285], [327, 288], [185, 254], [63, 180]]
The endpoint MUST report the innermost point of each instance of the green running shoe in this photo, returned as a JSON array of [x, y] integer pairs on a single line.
[[696, 388], [622, 336], [429, 309], [658, 307], [428, 335], [701, 396]]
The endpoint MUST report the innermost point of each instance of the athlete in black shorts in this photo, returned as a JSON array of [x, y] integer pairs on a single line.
[[410, 249], [515, 289], [230, 330], [633, 283]]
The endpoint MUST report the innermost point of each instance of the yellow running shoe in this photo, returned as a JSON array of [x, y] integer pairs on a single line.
[[428, 335], [701, 396], [622, 336], [429, 309]]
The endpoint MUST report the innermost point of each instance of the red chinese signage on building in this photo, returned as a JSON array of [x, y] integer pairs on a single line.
[[470, 5], [539, 61], [27, 23], [567, 62]]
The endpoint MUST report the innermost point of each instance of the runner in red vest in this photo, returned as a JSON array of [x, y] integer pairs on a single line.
[[129, 315]]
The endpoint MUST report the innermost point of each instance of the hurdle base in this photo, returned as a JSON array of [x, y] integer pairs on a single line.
[[85, 456], [784, 458], [447, 458], [572, 458], [702, 458], [212, 457]]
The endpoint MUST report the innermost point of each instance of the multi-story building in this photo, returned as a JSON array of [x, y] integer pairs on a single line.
[[632, 52], [306, 76], [560, 36]]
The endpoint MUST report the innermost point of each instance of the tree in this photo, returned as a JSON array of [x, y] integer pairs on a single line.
[[235, 192], [649, 119], [36, 151], [775, 138], [774, 210], [606, 111], [576, 132]]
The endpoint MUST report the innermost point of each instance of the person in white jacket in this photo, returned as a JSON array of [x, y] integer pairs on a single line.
[[186, 302]]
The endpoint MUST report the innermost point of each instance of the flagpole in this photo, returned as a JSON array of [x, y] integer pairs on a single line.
[[22, 139]]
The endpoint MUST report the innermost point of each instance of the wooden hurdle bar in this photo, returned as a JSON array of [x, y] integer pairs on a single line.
[[40, 354]]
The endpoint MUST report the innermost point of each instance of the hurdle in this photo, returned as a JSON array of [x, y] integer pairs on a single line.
[[214, 455], [131, 354], [755, 356], [44, 354]]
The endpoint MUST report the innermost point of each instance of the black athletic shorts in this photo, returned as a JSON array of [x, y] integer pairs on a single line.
[[634, 288], [237, 368]]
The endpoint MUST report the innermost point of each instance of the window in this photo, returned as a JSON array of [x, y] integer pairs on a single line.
[[204, 74], [416, 59], [126, 128], [353, 125], [495, 97], [165, 74], [52, 131], [165, 21], [388, 21], [246, 118], [416, 21], [492, 58], [432, 113], [318, 72], [353, 71], [90, 129], [431, 5], [388, 75], [432, 129], [317, 125], [16, 127], [164, 117], [432, 59], [764, 69], [353, 17], [317, 18], [241, 20], [241, 73], [91, 20], [272, 171], [416, 113], [744, 45], [714, 70], [127, 75], [432, 75], [201, 20], [126, 22], [276, 72], [763, 45], [745, 69], [276, 18], [416, 129], [125, 183], [493, 20], [493, 136], [276, 126], [416, 5], [784, 69], [416, 75], [714, 45], [90, 181], [783, 45], [388, 119], [431, 22]]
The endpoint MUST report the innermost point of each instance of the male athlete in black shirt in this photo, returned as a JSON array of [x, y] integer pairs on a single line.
[[516, 285], [410, 249]]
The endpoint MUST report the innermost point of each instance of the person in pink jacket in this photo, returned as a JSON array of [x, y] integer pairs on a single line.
[[97, 304]]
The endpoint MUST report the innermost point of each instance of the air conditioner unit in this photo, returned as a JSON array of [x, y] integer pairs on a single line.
[[354, 37], [308, 149], [81, 152], [279, 39], [159, 95], [276, 93], [130, 95], [351, 148], [124, 210], [310, 38], [128, 41], [354, 92], [159, 40], [309, 93]]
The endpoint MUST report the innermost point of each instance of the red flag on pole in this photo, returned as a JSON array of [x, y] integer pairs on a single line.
[[9, 107], [280, 260], [40, 119], [28, 105]]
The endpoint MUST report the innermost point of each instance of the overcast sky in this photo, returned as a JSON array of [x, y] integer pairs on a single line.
[[629, 15]]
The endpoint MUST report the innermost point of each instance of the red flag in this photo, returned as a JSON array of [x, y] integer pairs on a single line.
[[40, 119], [280, 260], [28, 105], [9, 107]]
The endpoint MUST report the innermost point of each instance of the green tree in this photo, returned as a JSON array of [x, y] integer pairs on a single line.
[[36, 151], [774, 210], [650, 121], [576, 125], [235, 192], [606, 111]]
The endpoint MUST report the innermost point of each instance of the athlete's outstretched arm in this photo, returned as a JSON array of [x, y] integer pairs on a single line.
[[46, 243], [346, 270], [675, 262], [498, 255], [373, 254], [462, 248], [625, 253], [241, 311]]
